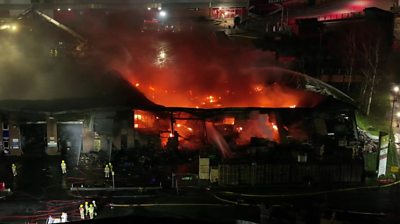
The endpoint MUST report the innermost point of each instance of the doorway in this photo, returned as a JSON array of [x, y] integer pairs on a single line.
[[33, 138]]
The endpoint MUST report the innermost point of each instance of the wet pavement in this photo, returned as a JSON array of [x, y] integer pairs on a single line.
[[40, 190], [37, 190]]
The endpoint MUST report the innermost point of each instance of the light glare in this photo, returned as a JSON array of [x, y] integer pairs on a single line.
[[163, 13]]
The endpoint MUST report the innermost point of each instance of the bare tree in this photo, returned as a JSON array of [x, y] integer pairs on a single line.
[[350, 56], [370, 50]]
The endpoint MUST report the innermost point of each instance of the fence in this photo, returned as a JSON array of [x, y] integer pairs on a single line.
[[265, 174]]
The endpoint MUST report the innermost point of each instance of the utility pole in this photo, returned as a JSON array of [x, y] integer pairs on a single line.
[[282, 15], [113, 180], [109, 145], [395, 90]]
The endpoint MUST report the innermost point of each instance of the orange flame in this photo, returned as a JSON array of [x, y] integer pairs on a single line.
[[207, 77]]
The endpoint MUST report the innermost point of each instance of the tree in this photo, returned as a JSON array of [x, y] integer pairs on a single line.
[[370, 49], [350, 56], [363, 54]]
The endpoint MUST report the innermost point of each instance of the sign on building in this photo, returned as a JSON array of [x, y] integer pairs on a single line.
[[204, 168], [383, 153]]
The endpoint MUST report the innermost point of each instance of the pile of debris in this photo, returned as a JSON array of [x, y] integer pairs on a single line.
[[369, 144]]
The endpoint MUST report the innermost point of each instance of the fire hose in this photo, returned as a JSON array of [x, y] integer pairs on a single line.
[[309, 193]]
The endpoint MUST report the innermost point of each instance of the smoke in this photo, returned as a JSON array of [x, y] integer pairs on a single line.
[[298, 131], [71, 140], [198, 67], [195, 67], [31, 69], [258, 125], [28, 72]]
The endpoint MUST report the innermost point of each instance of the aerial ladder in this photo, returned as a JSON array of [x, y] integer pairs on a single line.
[[79, 48]]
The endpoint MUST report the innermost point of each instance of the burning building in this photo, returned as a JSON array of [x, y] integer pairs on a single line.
[[291, 108], [309, 123], [219, 100]]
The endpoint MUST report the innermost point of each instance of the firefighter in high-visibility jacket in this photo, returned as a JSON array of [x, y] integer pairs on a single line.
[[63, 167], [87, 208], [82, 212], [91, 211], [107, 171], [14, 169], [111, 167]]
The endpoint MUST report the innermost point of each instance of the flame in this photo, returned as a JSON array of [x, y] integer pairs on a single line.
[[210, 98], [143, 119], [279, 97], [275, 96], [257, 125], [137, 118], [229, 120], [192, 75], [258, 88]]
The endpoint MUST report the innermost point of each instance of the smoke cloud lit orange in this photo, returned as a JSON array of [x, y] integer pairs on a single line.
[[199, 70]]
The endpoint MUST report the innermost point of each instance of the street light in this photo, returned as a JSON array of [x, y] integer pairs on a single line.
[[113, 180], [9, 27], [14, 28], [163, 14]]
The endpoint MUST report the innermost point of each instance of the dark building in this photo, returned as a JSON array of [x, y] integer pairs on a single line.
[[329, 37]]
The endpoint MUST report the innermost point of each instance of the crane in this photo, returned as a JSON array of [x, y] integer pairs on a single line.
[[79, 49]]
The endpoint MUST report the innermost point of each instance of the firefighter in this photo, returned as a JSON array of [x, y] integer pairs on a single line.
[[14, 169], [107, 171], [50, 219], [94, 204], [95, 207], [111, 167], [87, 208], [82, 212], [91, 211], [63, 167], [64, 217]]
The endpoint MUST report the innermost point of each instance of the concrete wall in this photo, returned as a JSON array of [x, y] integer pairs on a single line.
[[87, 140], [52, 143], [15, 139]]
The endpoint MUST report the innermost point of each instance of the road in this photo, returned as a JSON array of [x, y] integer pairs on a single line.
[[39, 191]]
